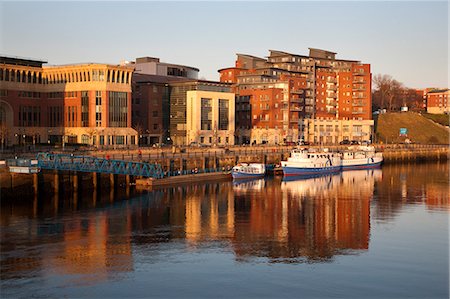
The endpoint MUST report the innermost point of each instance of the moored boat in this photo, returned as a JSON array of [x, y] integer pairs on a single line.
[[247, 171], [362, 157], [305, 162]]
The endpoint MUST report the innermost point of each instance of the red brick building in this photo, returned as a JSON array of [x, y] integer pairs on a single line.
[[80, 103], [438, 101], [286, 91]]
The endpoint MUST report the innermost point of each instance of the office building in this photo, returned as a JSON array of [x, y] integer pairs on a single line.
[[77, 104]]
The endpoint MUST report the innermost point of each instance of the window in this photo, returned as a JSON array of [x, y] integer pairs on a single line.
[[206, 114], [84, 109], [223, 114], [98, 108], [119, 139], [155, 113], [155, 126], [118, 109]]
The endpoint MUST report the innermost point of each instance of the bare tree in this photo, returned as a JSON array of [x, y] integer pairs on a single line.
[[4, 132], [388, 93], [140, 130]]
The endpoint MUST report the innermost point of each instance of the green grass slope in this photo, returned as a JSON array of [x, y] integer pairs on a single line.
[[442, 119], [420, 129]]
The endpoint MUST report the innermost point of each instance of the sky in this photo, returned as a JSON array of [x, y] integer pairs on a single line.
[[407, 40]]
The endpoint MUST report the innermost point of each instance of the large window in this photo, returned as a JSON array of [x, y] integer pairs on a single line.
[[84, 109], [29, 116], [223, 114], [72, 116], [118, 109], [55, 116], [206, 114], [98, 108]]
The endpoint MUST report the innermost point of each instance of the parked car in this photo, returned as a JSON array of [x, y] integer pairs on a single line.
[[354, 142], [344, 142]]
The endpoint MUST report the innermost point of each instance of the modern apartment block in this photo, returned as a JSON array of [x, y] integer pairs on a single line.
[[282, 92], [438, 101], [175, 107], [78, 103], [201, 111]]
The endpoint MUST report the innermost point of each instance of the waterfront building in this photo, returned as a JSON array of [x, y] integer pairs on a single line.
[[212, 101], [438, 101], [78, 103], [332, 131], [151, 98], [280, 94], [177, 108]]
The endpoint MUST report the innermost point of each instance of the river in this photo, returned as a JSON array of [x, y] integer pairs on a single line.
[[373, 233]]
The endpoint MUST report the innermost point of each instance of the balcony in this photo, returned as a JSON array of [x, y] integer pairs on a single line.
[[359, 87], [359, 73], [294, 120], [296, 108], [331, 94], [331, 86], [297, 91], [358, 80], [358, 103], [331, 80], [331, 102], [331, 110], [358, 112], [358, 96], [297, 100]]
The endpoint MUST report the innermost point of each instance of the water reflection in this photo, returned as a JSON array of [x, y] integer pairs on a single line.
[[98, 237]]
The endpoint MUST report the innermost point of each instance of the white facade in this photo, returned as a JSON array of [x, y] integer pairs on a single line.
[[214, 135], [333, 131]]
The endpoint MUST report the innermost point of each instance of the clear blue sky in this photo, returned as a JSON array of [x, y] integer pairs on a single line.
[[407, 40]]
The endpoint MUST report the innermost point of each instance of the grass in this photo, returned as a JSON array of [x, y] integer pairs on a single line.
[[420, 129], [442, 119]]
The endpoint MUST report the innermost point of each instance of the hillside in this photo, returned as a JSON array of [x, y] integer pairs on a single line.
[[420, 129]]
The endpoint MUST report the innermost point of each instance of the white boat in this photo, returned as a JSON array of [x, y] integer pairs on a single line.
[[306, 162], [247, 171], [361, 157]]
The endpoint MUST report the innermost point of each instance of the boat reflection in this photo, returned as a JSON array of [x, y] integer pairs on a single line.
[[244, 186], [259, 221]]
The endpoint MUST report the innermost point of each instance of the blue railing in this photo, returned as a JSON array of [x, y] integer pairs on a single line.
[[99, 165]]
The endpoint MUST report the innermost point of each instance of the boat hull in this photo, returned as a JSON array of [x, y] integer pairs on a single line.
[[300, 171], [243, 175], [362, 163]]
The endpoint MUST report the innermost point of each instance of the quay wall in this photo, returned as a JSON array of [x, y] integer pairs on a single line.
[[203, 160]]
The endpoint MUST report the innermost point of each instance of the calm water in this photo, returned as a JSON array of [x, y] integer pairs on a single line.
[[360, 234]]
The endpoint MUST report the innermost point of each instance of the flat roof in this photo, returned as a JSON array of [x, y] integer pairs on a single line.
[[24, 61]]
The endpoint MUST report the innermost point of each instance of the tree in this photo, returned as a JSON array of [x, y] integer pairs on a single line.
[[4, 132], [388, 94], [140, 130]]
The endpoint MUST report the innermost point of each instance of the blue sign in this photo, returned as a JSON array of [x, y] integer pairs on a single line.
[[403, 131]]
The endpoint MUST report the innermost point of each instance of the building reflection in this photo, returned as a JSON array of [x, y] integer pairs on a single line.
[[273, 220]]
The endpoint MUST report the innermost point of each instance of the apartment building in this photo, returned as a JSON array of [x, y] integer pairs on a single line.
[[438, 101], [297, 88], [78, 103]]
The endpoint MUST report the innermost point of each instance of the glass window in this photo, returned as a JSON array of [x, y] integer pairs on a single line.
[[223, 114], [206, 114]]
